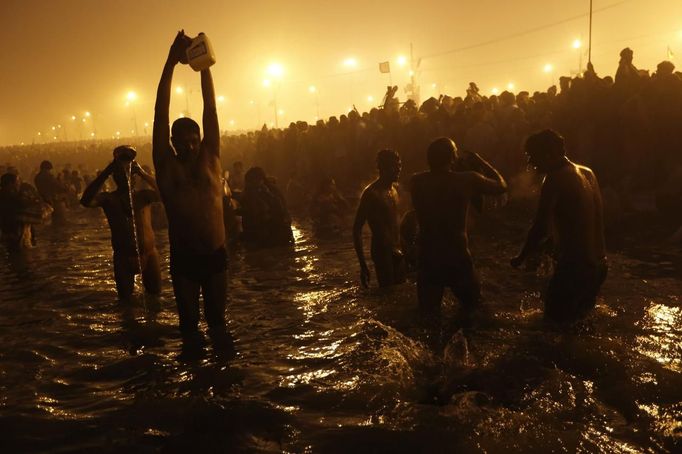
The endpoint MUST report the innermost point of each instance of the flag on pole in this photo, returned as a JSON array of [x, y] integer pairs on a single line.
[[670, 53], [384, 67]]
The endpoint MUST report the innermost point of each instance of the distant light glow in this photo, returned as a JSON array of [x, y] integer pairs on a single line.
[[411, 73], [350, 62], [495, 91], [73, 117], [83, 120], [312, 89], [231, 122], [146, 125], [53, 128], [266, 82], [280, 112], [370, 98], [433, 85], [276, 70], [92, 134], [402, 60], [118, 133], [131, 96], [221, 98], [577, 44], [510, 86], [548, 68], [87, 114]]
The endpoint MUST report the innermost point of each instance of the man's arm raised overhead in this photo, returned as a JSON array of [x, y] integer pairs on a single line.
[[161, 150]]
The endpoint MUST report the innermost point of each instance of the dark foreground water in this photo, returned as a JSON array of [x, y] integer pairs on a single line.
[[322, 366]]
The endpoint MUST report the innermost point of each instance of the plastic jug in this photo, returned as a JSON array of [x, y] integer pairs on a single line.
[[200, 54]]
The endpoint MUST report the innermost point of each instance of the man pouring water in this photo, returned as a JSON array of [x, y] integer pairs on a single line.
[[130, 222], [189, 175]]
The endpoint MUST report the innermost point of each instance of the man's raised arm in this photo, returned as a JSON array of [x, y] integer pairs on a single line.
[[161, 150], [210, 118]]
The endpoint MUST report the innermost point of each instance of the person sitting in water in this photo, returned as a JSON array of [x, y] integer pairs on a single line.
[[52, 191], [127, 222], [15, 209], [327, 208], [379, 208], [265, 218], [571, 207]]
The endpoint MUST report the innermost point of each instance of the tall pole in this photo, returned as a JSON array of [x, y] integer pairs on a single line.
[[589, 48]]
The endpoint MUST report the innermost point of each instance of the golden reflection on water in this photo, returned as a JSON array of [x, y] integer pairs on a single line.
[[662, 325]]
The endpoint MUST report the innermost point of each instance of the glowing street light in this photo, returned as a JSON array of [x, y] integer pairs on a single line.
[[510, 86], [179, 90], [87, 114], [73, 117], [221, 99], [577, 44], [131, 96], [495, 91], [276, 70], [312, 89], [401, 60], [370, 98], [266, 82], [350, 62], [548, 68]]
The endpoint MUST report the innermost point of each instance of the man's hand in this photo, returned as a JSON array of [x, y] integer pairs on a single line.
[[516, 261], [364, 276], [178, 50]]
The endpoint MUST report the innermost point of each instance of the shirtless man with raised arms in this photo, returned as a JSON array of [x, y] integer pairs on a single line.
[[189, 176]]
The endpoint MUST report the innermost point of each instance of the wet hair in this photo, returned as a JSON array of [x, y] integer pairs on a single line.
[[386, 156], [45, 165], [184, 124], [546, 141], [8, 179], [125, 150], [441, 153]]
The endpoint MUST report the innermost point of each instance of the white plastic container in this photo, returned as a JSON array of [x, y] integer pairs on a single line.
[[200, 54]]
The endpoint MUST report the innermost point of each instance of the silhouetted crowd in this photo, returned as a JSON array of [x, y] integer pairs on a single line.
[[624, 128]]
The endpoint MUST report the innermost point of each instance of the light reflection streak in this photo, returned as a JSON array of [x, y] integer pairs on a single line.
[[662, 325]]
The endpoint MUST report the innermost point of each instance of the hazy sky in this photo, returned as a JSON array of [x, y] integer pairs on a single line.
[[61, 58]]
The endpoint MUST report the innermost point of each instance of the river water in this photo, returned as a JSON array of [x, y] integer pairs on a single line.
[[323, 366]]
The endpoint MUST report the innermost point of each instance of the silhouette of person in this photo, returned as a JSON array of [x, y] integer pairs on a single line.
[[441, 199], [121, 216], [571, 208], [379, 208], [190, 180]]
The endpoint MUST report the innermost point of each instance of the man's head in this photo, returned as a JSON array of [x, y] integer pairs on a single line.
[[186, 137], [254, 177], [626, 55], [389, 165], [545, 149], [441, 154], [46, 165], [123, 157], [9, 182]]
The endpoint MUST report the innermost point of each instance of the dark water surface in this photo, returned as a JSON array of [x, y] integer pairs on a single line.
[[322, 366]]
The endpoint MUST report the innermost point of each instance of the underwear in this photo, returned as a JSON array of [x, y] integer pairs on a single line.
[[198, 266]]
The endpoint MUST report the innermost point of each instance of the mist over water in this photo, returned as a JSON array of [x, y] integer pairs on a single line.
[[322, 366]]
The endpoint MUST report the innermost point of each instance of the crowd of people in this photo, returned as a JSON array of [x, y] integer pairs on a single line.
[[624, 128]]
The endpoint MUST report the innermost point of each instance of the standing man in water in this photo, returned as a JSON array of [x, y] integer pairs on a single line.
[[571, 207], [189, 176], [379, 208], [121, 215], [441, 198]]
